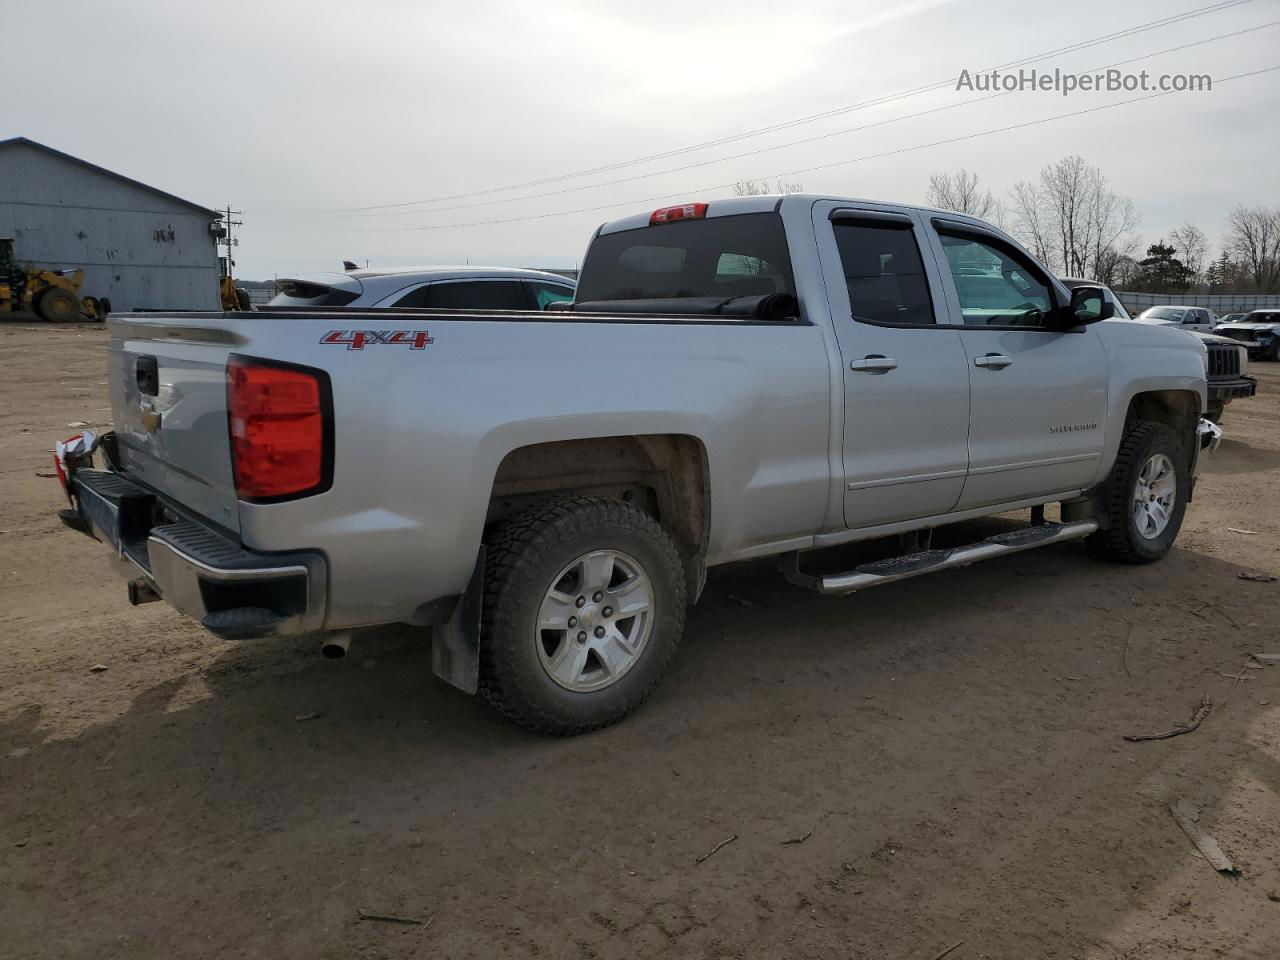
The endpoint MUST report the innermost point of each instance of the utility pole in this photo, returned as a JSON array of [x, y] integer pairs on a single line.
[[229, 239]]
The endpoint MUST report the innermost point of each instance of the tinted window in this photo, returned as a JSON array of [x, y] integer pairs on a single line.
[[544, 293], [738, 256], [884, 272], [474, 295], [416, 297], [996, 286]]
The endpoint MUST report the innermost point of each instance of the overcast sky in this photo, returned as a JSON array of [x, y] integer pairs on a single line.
[[294, 111]]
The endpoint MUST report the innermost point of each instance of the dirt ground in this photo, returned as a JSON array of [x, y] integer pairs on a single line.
[[934, 762]]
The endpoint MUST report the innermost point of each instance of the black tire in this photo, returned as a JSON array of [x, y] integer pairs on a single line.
[[1215, 412], [1121, 540], [1274, 355], [524, 554], [58, 306]]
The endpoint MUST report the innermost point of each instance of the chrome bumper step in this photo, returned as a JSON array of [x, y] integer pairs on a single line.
[[929, 561]]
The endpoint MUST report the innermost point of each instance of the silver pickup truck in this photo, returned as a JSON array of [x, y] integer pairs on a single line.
[[751, 377]]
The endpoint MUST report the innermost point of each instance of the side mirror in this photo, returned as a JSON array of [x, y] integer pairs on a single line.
[[1088, 305]]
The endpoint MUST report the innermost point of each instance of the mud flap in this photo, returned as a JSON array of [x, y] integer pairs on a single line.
[[455, 646]]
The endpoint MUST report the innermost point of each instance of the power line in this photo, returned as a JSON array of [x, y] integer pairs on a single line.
[[793, 143], [798, 121], [824, 166]]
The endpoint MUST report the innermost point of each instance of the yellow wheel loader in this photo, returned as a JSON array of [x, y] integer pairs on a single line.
[[231, 296], [52, 295]]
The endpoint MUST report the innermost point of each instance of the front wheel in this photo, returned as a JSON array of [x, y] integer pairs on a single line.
[[584, 605], [57, 306], [1146, 496]]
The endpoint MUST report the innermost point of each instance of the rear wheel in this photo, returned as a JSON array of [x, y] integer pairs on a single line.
[[584, 606], [1146, 496], [58, 305]]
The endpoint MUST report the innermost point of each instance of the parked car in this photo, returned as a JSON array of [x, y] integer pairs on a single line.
[[1226, 362], [1189, 318], [1259, 331], [1230, 318], [748, 377], [451, 288]]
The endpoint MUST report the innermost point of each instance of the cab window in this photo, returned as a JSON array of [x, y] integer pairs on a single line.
[[883, 272], [997, 287]]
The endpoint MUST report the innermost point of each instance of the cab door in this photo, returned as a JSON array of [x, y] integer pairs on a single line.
[[1038, 396], [906, 385]]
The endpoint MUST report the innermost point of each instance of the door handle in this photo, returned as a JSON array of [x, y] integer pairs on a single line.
[[874, 363], [993, 361]]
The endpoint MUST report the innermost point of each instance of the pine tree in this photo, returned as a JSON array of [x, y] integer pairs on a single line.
[[1221, 273]]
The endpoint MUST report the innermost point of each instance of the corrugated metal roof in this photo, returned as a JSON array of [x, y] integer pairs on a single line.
[[14, 141]]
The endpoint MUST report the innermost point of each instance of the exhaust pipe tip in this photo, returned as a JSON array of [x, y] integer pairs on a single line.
[[334, 647]]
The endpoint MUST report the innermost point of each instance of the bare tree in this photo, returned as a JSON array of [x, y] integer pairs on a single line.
[[1073, 221], [1191, 242], [759, 188], [1253, 235], [1031, 219], [960, 192]]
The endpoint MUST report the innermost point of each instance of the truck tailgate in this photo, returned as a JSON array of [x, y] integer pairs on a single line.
[[167, 380]]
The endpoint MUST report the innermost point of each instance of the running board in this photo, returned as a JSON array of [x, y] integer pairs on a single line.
[[930, 561]]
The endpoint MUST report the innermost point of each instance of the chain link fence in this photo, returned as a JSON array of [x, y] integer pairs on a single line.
[[1217, 303]]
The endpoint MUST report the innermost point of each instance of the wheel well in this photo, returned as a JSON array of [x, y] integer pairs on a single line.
[[665, 475], [1180, 409]]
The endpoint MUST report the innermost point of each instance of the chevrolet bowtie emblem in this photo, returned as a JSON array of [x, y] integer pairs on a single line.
[[150, 417]]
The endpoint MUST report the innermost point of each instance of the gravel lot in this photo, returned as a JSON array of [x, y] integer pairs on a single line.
[[950, 747]]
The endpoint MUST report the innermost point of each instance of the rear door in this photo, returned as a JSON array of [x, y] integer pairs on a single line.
[[1202, 320], [906, 385], [1038, 398]]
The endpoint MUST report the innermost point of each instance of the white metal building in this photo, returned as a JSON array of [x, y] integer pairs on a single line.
[[140, 247]]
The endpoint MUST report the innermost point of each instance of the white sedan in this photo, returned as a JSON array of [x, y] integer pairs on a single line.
[[450, 288]]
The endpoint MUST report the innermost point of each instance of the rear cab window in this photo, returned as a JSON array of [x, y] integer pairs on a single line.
[[741, 255]]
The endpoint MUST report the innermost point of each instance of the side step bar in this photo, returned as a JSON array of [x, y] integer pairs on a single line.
[[930, 561]]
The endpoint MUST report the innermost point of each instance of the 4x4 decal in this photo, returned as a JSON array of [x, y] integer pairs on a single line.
[[358, 339]]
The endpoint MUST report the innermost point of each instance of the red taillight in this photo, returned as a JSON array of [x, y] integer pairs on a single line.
[[278, 417], [686, 211], [62, 476]]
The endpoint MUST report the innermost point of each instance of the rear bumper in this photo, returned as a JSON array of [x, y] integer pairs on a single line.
[[235, 593], [1224, 390]]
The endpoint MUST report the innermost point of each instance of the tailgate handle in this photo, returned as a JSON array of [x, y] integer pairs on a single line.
[[147, 375]]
